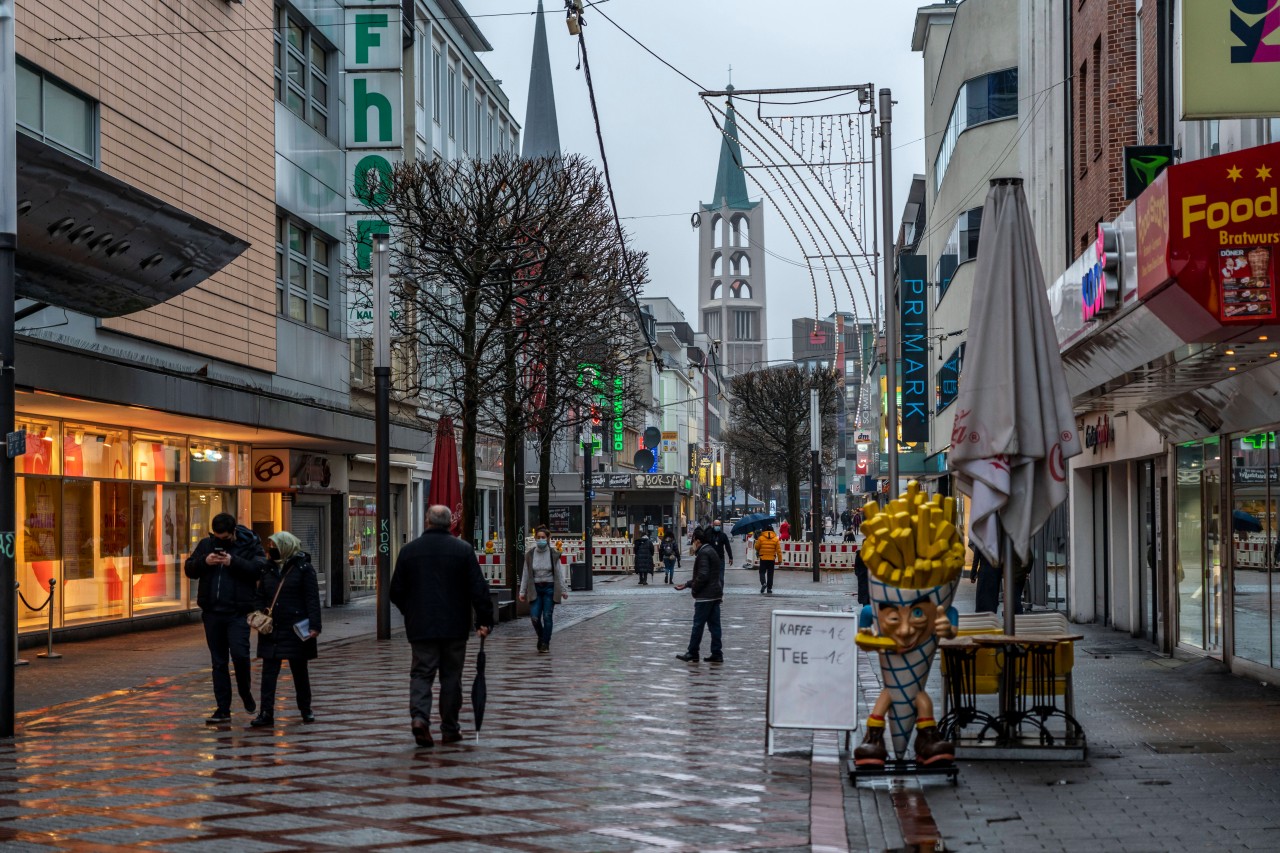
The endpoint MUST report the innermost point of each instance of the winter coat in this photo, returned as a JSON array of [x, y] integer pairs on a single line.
[[644, 554], [767, 545], [669, 552], [232, 588], [527, 587], [299, 599], [707, 583], [720, 541], [784, 531], [437, 585]]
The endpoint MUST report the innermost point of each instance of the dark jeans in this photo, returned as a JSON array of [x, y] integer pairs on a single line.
[[445, 657], [301, 684], [706, 614], [670, 569], [542, 611], [227, 635], [766, 575]]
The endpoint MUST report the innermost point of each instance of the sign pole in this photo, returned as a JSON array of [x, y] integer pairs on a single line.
[[382, 430], [587, 439], [890, 288], [8, 265], [815, 474]]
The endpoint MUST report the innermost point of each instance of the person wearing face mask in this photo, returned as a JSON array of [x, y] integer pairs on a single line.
[[719, 540], [290, 582], [543, 584], [644, 556], [707, 586], [670, 554]]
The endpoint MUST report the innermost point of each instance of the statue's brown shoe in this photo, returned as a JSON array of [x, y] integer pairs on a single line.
[[872, 752], [932, 749]]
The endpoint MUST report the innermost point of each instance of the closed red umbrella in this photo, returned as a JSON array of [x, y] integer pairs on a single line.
[[445, 486]]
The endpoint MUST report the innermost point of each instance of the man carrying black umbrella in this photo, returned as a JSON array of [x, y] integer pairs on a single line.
[[436, 585]]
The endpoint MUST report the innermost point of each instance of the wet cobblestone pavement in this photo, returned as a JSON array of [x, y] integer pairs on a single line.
[[609, 743]]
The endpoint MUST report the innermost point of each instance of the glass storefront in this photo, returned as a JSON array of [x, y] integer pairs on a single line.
[[362, 545], [111, 514], [1198, 563], [1255, 490]]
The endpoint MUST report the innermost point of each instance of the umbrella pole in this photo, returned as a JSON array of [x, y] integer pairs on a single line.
[[1006, 560]]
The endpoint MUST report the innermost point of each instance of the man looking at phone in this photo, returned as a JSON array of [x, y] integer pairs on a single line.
[[228, 563]]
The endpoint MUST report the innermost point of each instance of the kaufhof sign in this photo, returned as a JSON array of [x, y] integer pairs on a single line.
[[373, 133], [1210, 230], [1230, 58]]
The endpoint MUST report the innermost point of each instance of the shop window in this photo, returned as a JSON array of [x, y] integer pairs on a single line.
[[93, 451], [213, 462], [361, 544], [37, 545], [158, 458], [96, 530], [1254, 533], [1198, 562], [44, 445], [159, 547]]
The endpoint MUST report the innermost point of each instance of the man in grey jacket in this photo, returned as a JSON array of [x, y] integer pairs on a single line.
[[707, 586]]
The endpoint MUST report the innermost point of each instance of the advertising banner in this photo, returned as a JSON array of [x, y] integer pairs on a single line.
[[1230, 59], [1212, 227]]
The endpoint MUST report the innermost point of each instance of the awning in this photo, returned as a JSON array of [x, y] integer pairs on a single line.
[[94, 244]]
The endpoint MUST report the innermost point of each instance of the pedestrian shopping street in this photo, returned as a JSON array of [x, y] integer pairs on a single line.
[[611, 744]]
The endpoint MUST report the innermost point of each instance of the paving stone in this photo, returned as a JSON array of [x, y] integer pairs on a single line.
[[364, 837], [486, 825]]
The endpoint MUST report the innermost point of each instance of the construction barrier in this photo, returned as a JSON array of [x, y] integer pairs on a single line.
[[493, 567], [832, 556], [1253, 552]]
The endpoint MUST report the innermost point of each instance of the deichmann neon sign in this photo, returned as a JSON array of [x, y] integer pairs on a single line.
[[1100, 286]]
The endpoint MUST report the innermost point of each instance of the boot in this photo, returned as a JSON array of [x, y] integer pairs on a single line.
[[872, 752], [931, 748]]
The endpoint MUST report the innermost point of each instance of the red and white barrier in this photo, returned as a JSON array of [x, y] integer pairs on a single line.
[[1253, 553], [832, 556]]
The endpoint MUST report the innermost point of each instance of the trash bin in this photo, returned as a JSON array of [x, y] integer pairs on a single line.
[[579, 577]]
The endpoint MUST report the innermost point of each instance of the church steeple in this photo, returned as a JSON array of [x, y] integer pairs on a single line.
[[731, 181], [541, 131]]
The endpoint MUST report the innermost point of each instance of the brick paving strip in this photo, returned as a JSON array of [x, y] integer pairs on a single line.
[[607, 744]]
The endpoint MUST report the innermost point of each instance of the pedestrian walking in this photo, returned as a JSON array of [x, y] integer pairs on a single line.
[[707, 586], [719, 540], [290, 592], [987, 577], [669, 553], [228, 563], [863, 578], [767, 547], [644, 556], [542, 583], [437, 585], [784, 531]]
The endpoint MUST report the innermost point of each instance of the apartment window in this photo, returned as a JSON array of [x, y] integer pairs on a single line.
[[478, 113], [711, 323], [302, 70], [421, 69], [56, 114], [991, 97], [437, 80], [961, 246], [1097, 97], [1272, 127], [305, 262], [1082, 117], [453, 103], [1212, 138], [744, 326], [466, 119]]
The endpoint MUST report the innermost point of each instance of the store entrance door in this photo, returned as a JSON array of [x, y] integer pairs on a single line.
[[1101, 546], [310, 525]]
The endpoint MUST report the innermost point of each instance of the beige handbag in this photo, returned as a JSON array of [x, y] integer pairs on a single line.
[[260, 620]]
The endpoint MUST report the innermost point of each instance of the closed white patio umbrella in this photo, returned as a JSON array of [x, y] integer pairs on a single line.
[[1014, 427]]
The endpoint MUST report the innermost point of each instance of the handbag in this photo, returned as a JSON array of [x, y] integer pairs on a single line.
[[260, 620]]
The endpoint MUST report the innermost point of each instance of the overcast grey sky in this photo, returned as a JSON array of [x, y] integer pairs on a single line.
[[660, 140]]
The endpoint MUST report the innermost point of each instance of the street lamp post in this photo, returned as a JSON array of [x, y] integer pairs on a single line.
[[815, 473], [588, 438], [8, 265], [382, 429], [890, 288]]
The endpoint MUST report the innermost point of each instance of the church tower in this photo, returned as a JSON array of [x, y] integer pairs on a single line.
[[541, 130], [731, 280]]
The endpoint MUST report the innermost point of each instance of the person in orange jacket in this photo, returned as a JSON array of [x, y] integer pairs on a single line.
[[767, 547]]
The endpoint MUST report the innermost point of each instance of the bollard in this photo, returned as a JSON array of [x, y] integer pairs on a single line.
[[49, 653], [17, 661]]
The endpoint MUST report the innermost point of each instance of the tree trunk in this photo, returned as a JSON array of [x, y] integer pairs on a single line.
[[794, 516], [547, 435], [470, 415], [511, 446]]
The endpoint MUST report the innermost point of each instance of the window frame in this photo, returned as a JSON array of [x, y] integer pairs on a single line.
[[287, 256], [92, 106], [317, 110], [959, 120]]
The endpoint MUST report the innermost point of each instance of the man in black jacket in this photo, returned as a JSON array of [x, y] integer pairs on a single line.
[[436, 585], [718, 539], [228, 563], [707, 585]]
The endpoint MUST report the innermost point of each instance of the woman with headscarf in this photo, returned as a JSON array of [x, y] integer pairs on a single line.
[[290, 582]]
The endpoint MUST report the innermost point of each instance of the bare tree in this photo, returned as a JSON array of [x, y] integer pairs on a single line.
[[489, 258], [769, 422]]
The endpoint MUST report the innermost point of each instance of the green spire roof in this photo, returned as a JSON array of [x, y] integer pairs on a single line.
[[731, 181]]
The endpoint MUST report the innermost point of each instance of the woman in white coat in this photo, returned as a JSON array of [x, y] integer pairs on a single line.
[[542, 583]]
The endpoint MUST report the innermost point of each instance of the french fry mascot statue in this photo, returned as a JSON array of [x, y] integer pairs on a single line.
[[913, 552]]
